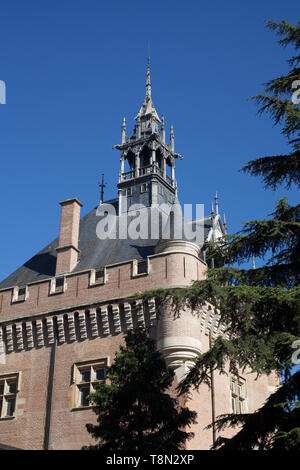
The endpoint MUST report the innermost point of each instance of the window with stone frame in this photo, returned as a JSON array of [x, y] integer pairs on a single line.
[[238, 395], [142, 266], [87, 377], [19, 294], [9, 387], [59, 284], [100, 276], [143, 188]]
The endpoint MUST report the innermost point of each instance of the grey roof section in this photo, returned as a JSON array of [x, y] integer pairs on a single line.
[[94, 252]]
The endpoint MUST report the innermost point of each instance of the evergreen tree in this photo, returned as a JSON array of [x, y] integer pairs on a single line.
[[135, 411], [259, 307]]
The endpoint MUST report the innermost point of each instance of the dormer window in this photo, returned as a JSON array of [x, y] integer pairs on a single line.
[[19, 294], [57, 285], [97, 276], [140, 267], [22, 293]]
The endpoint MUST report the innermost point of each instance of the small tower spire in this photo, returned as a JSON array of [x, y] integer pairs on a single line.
[[163, 129], [217, 203], [212, 209], [172, 138], [124, 131]]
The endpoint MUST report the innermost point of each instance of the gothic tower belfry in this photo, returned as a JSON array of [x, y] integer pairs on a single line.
[[149, 178]]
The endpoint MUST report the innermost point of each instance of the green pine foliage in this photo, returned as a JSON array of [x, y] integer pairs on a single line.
[[135, 410], [259, 307], [281, 169]]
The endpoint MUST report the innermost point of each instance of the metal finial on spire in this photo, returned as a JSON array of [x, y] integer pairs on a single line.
[[102, 186], [217, 203], [148, 79]]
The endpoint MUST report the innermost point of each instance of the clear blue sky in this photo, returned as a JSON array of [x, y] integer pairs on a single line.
[[73, 69]]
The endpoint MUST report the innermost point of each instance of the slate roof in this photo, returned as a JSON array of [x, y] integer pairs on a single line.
[[94, 252]]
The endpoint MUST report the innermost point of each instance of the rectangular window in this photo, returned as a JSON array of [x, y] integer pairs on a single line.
[[99, 275], [233, 403], [22, 293], [142, 267], [83, 396], [87, 377], [59, 285], [10, 406], [128, 192], [11, 387], [19, 294], [8, 394], [143, 188], [237, 394], [99, 373], [241, 403]]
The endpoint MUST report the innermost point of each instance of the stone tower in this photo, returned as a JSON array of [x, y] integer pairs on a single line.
[[64, 312]]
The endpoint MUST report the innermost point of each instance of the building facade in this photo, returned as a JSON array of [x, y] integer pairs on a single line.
[[63, 314]]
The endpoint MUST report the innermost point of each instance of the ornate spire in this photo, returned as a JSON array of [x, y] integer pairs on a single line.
[[148, 111], [124, 131], [163, 129], [217, 203], [148, 80], [172, 138]]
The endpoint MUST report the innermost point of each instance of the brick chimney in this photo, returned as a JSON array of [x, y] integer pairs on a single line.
[[67, 250]]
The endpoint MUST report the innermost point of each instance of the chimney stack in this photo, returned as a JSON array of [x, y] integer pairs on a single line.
[[67, 250]]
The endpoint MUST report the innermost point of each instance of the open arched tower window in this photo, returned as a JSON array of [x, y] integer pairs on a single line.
[[145, 157]]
